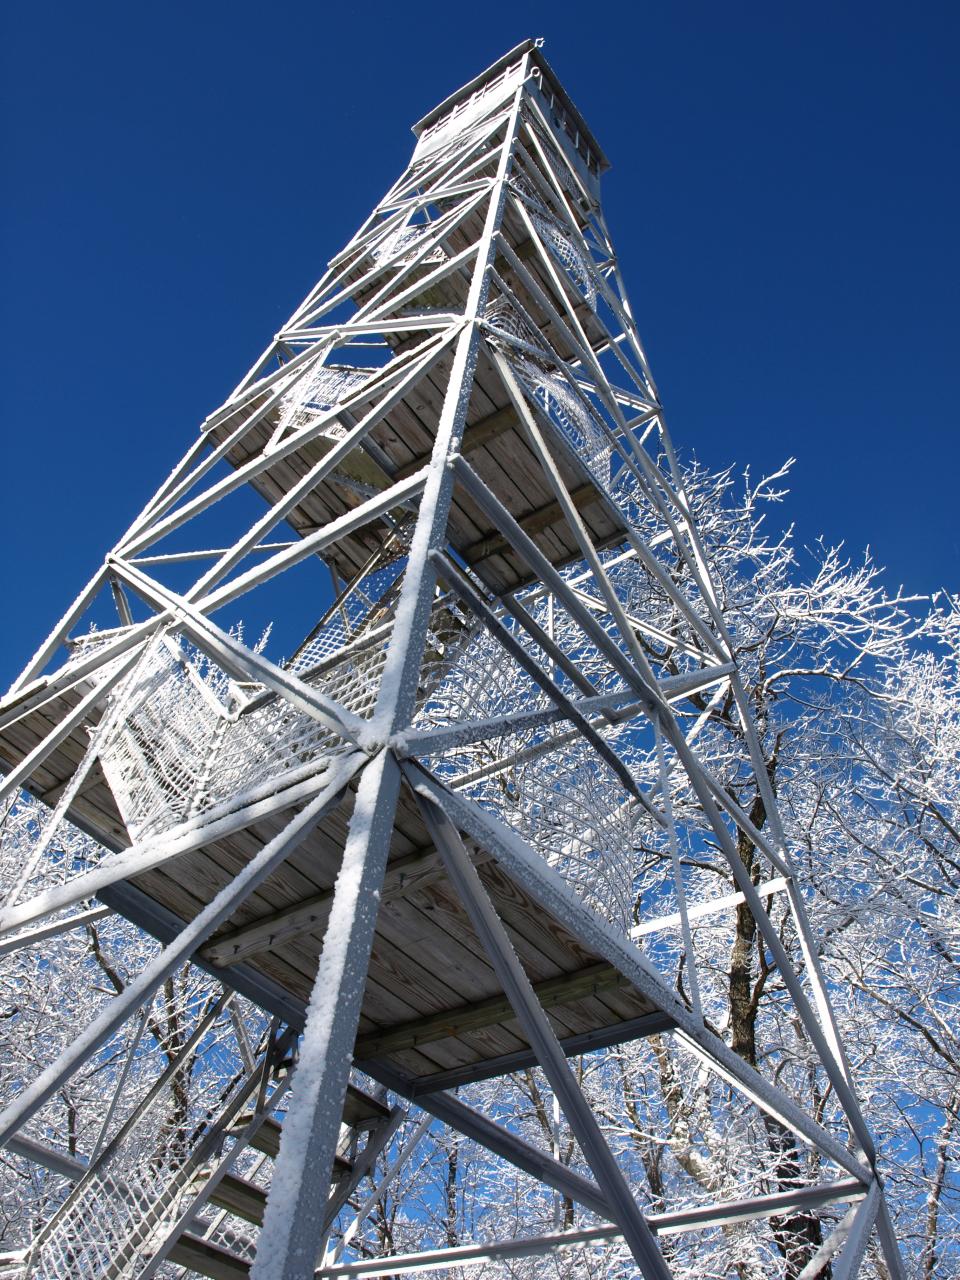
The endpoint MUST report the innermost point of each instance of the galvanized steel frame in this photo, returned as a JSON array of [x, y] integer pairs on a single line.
[[509, 126]]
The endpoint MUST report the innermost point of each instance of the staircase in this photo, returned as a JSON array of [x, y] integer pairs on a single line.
[[131, 1221], [246, 1201]]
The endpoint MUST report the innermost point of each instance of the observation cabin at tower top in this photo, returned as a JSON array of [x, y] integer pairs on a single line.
[[579, 145]]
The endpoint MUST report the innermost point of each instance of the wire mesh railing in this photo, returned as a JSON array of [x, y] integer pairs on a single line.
[[192, 1067]]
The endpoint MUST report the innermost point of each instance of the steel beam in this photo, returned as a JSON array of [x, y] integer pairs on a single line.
[[222, 906], [537, 1029], [747, 1210], [545, 885], [495, 1138], [293, 1226]]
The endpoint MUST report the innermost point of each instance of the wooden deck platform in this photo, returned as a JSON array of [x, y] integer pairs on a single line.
[[433, 1010]]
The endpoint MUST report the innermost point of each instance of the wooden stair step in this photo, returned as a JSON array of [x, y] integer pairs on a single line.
[[360, 1110], [208, 1259], [244, 1199], [267, 1141]]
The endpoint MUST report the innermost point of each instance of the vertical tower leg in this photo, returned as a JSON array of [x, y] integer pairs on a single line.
[[293, 1228]]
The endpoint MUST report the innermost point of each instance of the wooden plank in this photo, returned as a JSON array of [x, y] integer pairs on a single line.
[[309, 915], [266, 1139], [208, 1259], [440, 998], [284, 889], [535, 522], [442, 907], [398, 969], [450, 928], [431, 955], [475, 436], [526, 918], [360, 1110], [178, 898], [429, 985], [485, 1013], [242, 1198]]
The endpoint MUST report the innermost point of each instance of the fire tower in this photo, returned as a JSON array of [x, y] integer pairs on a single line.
[[409, 842]]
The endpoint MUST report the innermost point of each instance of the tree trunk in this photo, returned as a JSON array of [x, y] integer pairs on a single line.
[[797, 1235]]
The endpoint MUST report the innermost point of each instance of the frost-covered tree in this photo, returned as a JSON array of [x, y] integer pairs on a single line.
[[856, 695], [49, 991]]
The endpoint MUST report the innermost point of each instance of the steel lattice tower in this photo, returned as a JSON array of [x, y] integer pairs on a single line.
[[412, 843]]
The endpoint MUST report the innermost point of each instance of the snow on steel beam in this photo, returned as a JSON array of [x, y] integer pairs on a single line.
[[33, 936], [293, 1222], [438, 230], [703, 909], [661, 1224]]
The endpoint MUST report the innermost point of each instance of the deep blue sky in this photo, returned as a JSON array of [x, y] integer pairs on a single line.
[[785, 199]]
